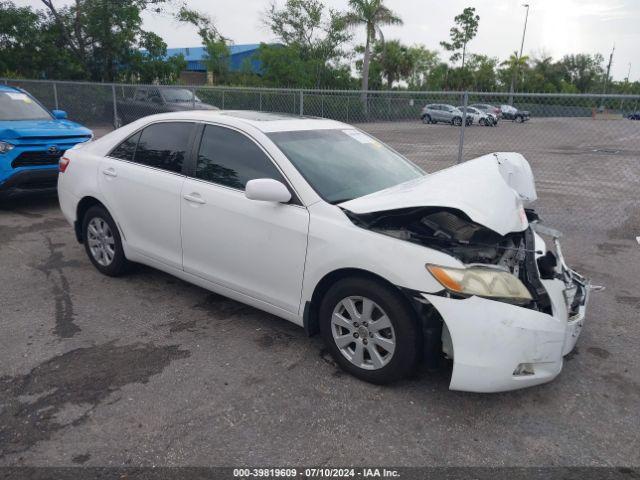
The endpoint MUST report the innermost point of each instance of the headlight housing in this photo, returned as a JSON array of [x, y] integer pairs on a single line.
[[483, 282], [5, 147]]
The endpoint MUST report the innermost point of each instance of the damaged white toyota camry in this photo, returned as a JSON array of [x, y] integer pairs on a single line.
[[321, 224]]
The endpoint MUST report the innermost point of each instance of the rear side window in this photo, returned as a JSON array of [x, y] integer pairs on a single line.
[[229, 158], [164, 145], [127, 149]]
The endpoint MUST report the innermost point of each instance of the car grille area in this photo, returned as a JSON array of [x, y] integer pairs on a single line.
[[32, 159]]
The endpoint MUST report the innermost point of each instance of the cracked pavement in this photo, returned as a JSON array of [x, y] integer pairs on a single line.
[[149, 370]]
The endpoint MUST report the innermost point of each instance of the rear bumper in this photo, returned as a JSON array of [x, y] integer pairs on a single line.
[[35, 180], [491, 340]]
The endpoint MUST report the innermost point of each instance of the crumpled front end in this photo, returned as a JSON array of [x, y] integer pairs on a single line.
[[497, 346], [512, 308]]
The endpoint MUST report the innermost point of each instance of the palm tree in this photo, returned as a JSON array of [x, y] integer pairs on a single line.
[[372, 14], [515, 64]]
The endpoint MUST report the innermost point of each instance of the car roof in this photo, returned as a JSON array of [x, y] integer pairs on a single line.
[[264, 121]]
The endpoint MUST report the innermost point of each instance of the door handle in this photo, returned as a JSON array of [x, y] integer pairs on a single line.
[[109, 172], [194, 198]]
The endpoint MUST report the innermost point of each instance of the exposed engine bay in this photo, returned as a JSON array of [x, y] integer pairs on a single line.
[[452, 232]]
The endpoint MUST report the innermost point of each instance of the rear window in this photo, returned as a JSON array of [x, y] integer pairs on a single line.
[[164, 145], [20, 106], [160, 145]]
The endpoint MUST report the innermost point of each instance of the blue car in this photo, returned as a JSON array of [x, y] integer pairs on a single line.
[[32, 140]]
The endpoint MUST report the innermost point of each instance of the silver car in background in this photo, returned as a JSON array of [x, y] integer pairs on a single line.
[[442, 113]]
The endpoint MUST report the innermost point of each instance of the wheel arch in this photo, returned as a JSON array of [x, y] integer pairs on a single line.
[[83, 206], [311, 307]]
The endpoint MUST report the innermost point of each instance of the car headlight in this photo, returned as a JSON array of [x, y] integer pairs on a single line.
[[5, 147], [483, 282]]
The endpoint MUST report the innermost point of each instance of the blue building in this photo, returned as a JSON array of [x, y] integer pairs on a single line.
[[238, 54]]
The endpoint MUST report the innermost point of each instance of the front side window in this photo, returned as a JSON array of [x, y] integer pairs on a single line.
[[229, 158], [344, 164], [140, 95], [16, 105], [164, 145]]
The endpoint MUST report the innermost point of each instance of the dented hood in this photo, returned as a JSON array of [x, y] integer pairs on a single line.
[[490, 189]]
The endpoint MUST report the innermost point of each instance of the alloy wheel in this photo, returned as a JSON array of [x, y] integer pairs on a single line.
[[101, 241], [363, 332]]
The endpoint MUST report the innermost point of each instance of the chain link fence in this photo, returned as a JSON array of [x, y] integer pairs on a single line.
[[583, 150]]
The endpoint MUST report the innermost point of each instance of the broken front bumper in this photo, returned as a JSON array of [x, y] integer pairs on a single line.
[[497, 346]]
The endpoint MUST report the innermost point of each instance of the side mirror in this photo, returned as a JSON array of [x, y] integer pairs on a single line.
[[267, 190], [59, 114]]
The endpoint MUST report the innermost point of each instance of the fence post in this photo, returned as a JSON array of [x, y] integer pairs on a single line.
[[348, 98], [301, 102], [222, 99], [465, 101], [115, 106], [55, 95], [260, 100]]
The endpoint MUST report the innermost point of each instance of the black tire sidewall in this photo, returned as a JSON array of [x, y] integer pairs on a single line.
[[426, 119], [401, 315], [120, 263]]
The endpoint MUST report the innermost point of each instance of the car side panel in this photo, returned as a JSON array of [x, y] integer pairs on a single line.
[[78, 181], [253, 247], [336, 243], [145, 203]]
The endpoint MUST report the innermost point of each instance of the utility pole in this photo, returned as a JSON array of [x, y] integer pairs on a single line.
[[606, 78], [517, 68]]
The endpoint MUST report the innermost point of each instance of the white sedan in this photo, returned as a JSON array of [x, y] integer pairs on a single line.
[[478, 117], [323, 225]]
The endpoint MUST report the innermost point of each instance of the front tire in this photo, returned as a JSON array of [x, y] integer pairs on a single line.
[[456, 122], [426, 119], [483, 122], [102, 242], [370, 330]]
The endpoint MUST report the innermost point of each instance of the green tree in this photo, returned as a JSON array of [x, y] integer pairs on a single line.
[[312, 33], [150, 64], [215, 45], [423, 62], [373, 14], [514, 65], [393, 61], [101, 34], [483, 72], [584, 71], [30, 46], [464, 30]]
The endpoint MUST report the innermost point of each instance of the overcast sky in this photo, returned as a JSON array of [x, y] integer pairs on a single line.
[[555, 27]]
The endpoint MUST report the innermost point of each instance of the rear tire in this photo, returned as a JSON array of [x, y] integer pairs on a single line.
[[483, 122], [370, 330], [426, 119], [102, 242], [456, 122]]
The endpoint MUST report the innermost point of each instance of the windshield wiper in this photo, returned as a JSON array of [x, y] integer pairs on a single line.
[[340, 200]]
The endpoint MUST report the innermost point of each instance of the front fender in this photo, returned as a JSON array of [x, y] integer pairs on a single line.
[[335, 243]]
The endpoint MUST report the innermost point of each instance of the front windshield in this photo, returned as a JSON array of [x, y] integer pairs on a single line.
[[344, 164], [175, 95], [20, 106]]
